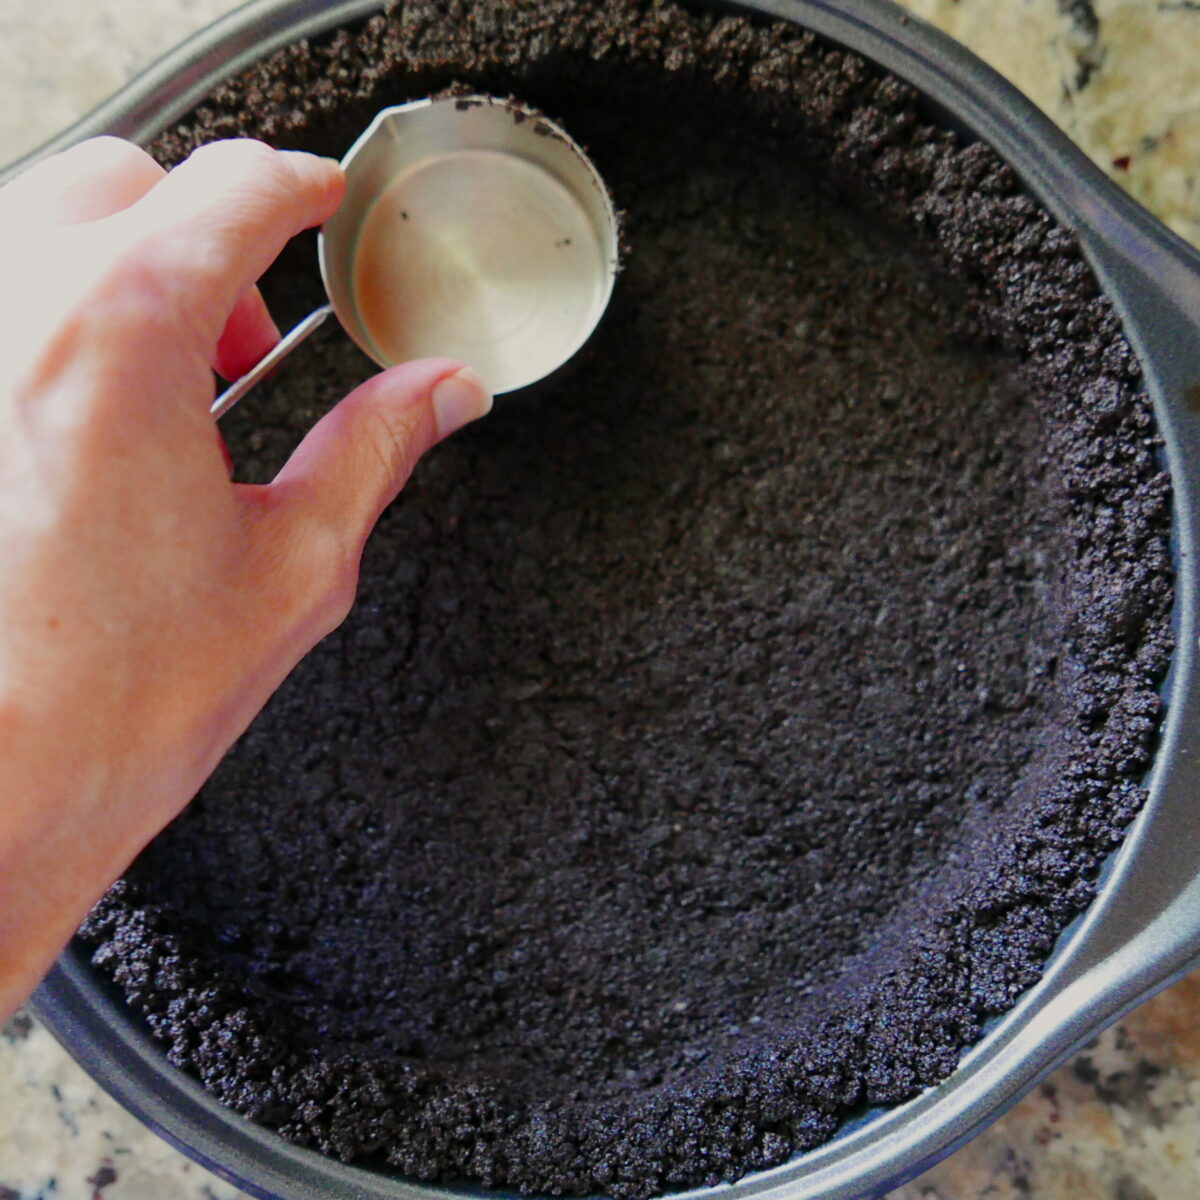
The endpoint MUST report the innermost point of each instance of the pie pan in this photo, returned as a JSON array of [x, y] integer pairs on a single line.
[[1143, 929]]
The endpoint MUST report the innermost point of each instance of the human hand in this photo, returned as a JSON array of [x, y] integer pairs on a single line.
[[149, 606]]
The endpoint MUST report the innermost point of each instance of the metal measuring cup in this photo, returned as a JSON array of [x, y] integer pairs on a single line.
[[472, 227]]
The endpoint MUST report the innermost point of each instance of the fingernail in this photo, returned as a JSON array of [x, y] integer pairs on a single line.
[[305, 155], [459, 399]]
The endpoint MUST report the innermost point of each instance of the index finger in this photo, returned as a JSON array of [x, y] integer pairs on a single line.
[[87, 182], [218, 220]]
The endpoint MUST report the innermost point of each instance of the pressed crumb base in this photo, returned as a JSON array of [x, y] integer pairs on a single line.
[[724, 731]]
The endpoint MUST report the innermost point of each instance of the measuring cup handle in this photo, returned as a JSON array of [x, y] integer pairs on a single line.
[[265, 365]]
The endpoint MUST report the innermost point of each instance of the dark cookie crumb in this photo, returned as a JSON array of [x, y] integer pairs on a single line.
[[724, 733]]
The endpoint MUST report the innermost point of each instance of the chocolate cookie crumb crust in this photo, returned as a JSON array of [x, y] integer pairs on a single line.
[[727, 730]]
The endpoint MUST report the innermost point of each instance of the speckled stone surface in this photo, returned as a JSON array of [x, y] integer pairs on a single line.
[[1121, 1121]]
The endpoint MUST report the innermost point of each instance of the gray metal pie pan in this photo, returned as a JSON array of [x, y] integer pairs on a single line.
[[1143, 930]]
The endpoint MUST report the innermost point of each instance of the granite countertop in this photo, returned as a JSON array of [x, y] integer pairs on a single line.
[[1120, 1121]]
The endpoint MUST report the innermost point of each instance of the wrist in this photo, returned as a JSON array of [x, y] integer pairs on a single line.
[[72, 821]]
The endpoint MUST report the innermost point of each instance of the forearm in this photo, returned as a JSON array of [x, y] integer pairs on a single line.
[[62, 835], [79, 799]]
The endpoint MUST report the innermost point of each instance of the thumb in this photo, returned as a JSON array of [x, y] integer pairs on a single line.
[[355, 460]]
